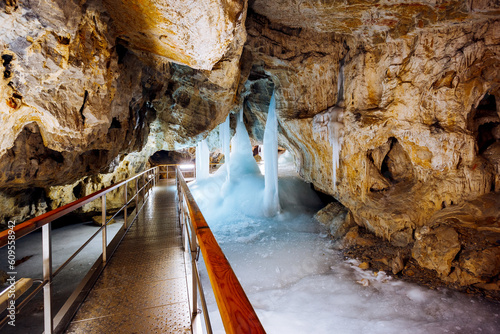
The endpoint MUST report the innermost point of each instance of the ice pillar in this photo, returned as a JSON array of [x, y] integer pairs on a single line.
[[271, 198], [202, 160]]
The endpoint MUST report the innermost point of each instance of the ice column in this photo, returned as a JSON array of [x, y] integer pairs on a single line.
[[202, 160], [271, 198]]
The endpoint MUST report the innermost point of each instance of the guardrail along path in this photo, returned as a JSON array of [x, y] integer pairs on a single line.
[[143, 288]]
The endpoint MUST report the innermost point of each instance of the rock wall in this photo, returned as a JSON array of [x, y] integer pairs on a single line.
[[402, 96], [196, 33], [417, 117], [75, 96]]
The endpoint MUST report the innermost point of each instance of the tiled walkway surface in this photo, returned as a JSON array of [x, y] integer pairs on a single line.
[[143, 288]]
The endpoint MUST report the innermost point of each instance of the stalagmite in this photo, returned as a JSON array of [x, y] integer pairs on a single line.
[[242, 161]]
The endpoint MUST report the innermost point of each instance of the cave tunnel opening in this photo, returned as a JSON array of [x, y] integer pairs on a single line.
[[485, 136], [396, 165], [486, 123]]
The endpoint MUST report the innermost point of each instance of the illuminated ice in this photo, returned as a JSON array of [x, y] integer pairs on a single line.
[[202, 160], [271, 199]]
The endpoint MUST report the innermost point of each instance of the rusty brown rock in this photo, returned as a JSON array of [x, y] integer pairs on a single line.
[[397, 264], [436, 249], [483, 263], [335, 218]]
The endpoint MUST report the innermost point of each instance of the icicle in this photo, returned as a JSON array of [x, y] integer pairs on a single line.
[[335, 137], [226, 140], [202, 160], [271, 198]]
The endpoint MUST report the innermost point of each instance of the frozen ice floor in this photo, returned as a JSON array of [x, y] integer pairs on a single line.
[[298, 283]]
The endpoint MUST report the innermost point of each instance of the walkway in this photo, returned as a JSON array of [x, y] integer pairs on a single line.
[[143, 289]]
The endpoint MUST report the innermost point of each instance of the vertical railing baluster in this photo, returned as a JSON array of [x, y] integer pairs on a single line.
[[150, 181], [143, 187], [194, 253], [104, 236], [47, 277], [125, 199], [136, 196]]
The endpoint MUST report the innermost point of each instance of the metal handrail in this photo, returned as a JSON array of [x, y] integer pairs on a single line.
[[238, 315], [39, 221], [171, 168], [44, 222]]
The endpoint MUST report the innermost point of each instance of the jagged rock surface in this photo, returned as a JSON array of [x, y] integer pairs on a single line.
[[74, 97], [419, 108], [410, 91], [196, 33], [410, 146]]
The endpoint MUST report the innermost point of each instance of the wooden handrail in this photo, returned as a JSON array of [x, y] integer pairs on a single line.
[[37, 222], [238, 315]]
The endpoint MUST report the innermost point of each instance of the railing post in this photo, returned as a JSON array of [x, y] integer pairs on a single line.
[[194, 253], [137, 196], [125, 199], [47, 277], [104, 236], [143, 187], [150, 181]]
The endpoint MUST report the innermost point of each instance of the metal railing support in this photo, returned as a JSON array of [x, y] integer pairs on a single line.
[[137, 193], [47, 277], [104, 230], [125, 200], [144, 186], [237, 313], [57, 323], [194, 257]]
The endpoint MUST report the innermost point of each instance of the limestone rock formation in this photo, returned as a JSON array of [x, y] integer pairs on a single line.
[[419, 103], [436, 249], [410, 145], [75, 97], [334, 218], [196, 33], [392, 108]]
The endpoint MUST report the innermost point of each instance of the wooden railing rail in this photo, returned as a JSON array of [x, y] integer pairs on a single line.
[[238, 315]]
